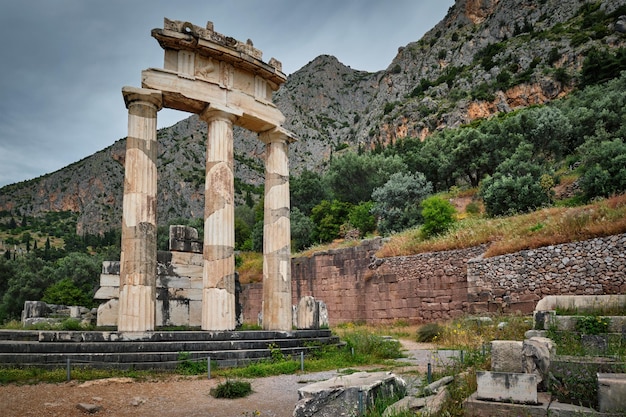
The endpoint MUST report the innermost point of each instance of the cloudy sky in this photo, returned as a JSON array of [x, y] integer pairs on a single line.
[[64, 62]]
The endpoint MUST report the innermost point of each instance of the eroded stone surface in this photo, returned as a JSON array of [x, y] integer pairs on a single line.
[[346, 395]]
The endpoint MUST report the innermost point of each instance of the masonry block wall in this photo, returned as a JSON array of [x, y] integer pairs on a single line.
[[518, 281], [357, 286]]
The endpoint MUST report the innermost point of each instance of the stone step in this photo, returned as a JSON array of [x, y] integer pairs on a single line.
[[165, 346], [154, 350], [156, 336]]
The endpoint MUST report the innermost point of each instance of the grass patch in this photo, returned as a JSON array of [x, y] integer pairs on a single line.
[[232, 389], [251, 268], [512, 234], [472, 333], [54, 376]]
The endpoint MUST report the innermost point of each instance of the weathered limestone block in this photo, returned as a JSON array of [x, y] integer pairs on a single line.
[[537, 353], [612, 393], [184, 239], [506, 356], [346, 395], [107, 313], [507, 387], [34, 309], [307, 313]]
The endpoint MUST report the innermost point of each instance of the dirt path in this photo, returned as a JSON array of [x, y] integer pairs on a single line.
[[174, 396]]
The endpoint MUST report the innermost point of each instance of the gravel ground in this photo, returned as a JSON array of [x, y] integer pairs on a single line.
[[175, 396]]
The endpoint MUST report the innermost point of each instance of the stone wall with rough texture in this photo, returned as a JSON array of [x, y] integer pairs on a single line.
[[356, 286], [518, 281]]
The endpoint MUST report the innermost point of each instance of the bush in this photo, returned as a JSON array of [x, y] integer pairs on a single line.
[[428, 332], [397, 202], [232, 389], [605, 168], [438, 215], [593, 324], [507, 195]]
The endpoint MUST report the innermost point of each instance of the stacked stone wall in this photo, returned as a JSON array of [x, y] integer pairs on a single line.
[[358, 287], [518, 281]]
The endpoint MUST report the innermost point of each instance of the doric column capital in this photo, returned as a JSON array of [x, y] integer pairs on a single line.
[[134, 94], [277, 134], [215, 112]]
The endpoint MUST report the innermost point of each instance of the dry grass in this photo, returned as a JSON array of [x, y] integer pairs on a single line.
[[468, 332], [528, 231], [251, 269], [335, 244]]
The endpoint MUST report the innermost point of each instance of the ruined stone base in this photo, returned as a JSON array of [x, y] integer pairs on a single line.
[[478, 408], [346, 395]]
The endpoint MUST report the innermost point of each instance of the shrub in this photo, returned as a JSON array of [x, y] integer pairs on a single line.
[[428, 332], [593, 324], [232, 389], [438, 216], [605, 168]]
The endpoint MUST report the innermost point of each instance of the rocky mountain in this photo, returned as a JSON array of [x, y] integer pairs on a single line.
[[483, 58]]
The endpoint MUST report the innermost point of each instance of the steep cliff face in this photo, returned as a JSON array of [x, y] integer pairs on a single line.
[[484, 57]]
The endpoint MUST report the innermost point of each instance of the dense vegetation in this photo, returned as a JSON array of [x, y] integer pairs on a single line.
[[513, 161]]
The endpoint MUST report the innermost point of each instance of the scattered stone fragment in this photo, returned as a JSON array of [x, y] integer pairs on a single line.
[[137, 401], [88, 408]]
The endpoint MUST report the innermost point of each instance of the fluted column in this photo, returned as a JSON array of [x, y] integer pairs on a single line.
[[138, 257], [218, 276], [277, 311]]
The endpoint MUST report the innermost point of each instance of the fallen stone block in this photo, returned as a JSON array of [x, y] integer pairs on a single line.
[[612, 393], [347, 395], [507, 387], [506, 356]]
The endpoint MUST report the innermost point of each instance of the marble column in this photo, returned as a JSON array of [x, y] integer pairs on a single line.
[[139, 225], [218, 276], [277, 311]]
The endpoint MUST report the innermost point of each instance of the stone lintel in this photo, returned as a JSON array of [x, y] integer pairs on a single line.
[[194, 96], [132, 94], [178, 35]]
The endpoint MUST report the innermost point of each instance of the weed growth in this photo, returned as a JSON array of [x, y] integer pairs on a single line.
[[232, 389]]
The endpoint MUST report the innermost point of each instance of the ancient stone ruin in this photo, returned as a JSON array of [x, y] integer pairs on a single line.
[[225, 82]]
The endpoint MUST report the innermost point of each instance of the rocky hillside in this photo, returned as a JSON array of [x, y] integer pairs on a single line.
[[484, 57]]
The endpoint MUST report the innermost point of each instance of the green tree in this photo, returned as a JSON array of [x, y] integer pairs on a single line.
[[604, 167], [352, 177], [302, 230], [438, 215], [306, 191], [328, 216], [361, 217], [65, 292], [396, 203], [516, 186]]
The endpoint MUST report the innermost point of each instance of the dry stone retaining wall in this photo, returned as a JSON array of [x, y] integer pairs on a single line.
[[518, 281], [357, 286]]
